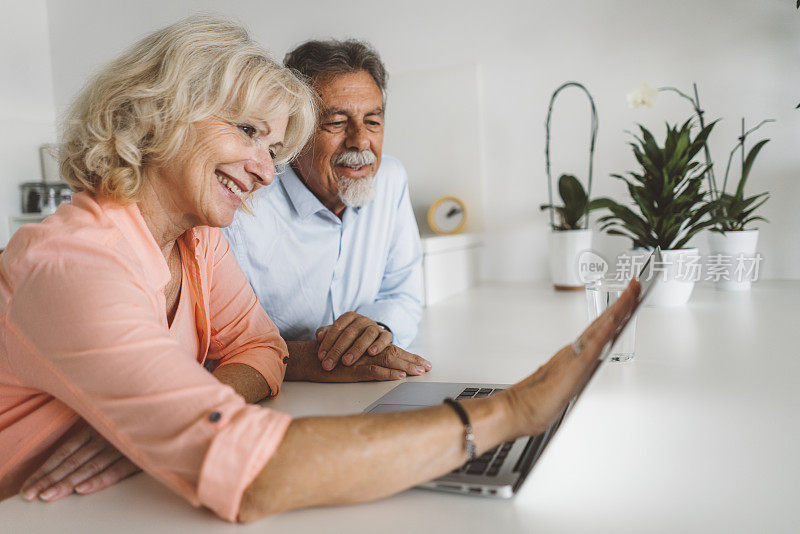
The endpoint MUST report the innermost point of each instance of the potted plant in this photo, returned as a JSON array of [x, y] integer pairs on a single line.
[[732, 242], [733, 263], [569, 236], [667, 194]]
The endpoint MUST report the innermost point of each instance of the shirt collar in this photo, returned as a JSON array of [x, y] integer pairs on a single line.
[[303, 200], [131, 224]]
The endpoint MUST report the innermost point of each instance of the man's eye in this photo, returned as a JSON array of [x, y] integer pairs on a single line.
[[272, 154], [248, 130]]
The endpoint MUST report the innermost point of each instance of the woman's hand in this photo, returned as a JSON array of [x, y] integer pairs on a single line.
[[85, 463], [392, 363], [350, 337], [540, 398]]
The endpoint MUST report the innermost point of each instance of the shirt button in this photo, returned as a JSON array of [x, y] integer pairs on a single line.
[[214, 417], [285, 360]]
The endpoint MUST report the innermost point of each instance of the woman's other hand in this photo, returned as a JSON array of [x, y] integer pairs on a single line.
[[85, 463]]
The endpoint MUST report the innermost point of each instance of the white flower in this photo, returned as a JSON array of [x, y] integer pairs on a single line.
[[644, 95]]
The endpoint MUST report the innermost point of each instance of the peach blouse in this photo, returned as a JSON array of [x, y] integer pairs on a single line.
[[83, 333]]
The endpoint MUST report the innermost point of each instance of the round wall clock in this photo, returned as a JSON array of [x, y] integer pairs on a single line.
[[448, 215]]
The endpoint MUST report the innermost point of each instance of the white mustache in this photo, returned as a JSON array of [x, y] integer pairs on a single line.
[[355, 159]]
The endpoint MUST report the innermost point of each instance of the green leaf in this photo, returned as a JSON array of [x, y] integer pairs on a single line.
[[621, 233], [751, 219], [600, 203], [651, 147], [746, 213], [595, 204], [667, 191], [691, 233], [574, 197], [701, 139], [631, 220], [571, 190], [748, 164]]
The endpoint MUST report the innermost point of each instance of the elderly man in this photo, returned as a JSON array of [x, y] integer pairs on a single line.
[[332, 248]]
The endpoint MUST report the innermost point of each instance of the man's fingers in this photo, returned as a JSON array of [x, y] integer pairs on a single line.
[[334, 330], [120, 469], [377, 372], [345, 341], [360, 345], [67, 466], [380, 344], [321, 331]]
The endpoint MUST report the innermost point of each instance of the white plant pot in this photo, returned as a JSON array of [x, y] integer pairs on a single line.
[[675, 278], [565, 247], [733, 255]]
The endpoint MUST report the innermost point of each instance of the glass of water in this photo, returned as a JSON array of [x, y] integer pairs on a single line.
[[600, 294]]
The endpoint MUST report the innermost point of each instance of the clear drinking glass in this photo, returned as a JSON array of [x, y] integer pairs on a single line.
[[600, 294]]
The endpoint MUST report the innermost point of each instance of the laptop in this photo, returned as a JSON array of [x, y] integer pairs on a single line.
[[501, 471]]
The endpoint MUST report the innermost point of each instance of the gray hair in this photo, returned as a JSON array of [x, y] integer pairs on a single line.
[[315, 59]]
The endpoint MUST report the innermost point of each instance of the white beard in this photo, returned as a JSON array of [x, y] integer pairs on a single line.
[[356, 192]]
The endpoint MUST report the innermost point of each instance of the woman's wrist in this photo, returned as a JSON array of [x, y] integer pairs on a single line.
[[492, 419], [302, 355]]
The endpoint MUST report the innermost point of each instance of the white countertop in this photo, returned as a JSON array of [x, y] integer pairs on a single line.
[[700, 433]]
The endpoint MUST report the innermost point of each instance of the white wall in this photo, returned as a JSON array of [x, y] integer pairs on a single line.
[[27, 112], [743, 54], [447, 159]]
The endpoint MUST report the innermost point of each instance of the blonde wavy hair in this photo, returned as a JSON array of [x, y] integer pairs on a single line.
[[137, 111]]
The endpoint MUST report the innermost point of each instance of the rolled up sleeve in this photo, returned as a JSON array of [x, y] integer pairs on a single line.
[[86, 328], [241, 331]]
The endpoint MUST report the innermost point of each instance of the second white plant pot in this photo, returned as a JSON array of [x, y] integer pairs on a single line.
[[733, 258], [565, 247]]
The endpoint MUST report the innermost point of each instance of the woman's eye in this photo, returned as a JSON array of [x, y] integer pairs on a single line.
[[272, 153], [248, 130]]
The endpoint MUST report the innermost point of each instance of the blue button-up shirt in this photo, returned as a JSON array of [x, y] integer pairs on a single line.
[[308, 267]]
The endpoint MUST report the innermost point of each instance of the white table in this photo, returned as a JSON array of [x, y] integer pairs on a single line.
[[698, 434]]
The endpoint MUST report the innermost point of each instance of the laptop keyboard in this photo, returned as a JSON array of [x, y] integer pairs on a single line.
[[490, 462]]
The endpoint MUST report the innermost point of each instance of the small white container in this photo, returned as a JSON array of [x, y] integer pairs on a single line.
[[734, 254], [449, 265], [565, 248]]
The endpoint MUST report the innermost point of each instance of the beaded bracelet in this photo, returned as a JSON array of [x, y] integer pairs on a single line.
[[469, 437]]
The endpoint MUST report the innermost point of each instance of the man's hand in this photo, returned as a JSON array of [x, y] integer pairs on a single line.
[[350, 337], [85, 463], [392, 363]]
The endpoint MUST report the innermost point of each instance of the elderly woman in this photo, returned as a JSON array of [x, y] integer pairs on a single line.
[[111, 308]]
